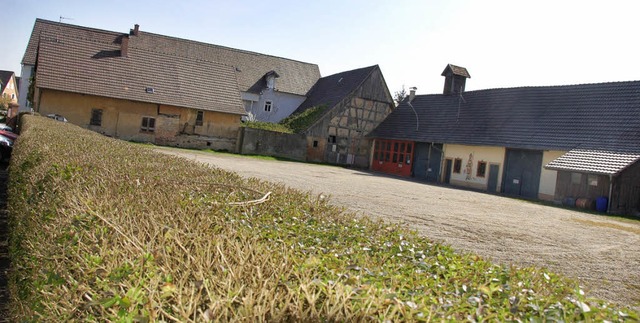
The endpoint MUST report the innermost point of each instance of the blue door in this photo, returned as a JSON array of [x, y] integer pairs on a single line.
[[492, 184], [522, 172]]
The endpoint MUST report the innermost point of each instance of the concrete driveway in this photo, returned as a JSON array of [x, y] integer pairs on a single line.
[[602, 252]]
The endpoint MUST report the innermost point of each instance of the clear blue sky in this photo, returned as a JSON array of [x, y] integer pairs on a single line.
[[501, 43]]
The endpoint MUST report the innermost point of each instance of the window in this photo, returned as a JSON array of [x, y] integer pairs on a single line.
[[392, 151], [13, 96], [332, 139], [457, 165], [148, 124], [267, 106], [482, 169], [592, 179], [576, 178], [315, 143], [199, 118], [96, 117]]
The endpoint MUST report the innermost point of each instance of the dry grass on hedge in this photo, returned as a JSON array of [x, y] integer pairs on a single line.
[[106, 230]]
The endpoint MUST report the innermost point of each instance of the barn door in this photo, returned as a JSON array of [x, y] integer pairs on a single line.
[[421, 160], [522, 172], [393, 157]]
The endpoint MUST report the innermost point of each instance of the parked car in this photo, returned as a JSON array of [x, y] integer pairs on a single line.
[[57, 117], [6, 145], [9, 134], [3, 126]]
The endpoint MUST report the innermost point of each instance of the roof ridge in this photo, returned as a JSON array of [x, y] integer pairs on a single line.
[[168, 37], [538, 87], [51, 22], [223, 47], [319, 118], [353, 70]]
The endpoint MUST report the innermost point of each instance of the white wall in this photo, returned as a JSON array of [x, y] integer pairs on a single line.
[[283, 105], [466, 178], [548, 177], [25, 75]]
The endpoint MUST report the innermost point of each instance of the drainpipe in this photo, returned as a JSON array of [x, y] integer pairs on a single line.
[[610, 191]]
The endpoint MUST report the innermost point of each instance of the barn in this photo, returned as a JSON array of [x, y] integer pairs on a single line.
[[553, 143]]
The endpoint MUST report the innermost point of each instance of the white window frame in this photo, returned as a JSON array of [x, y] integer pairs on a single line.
[[268, 105]]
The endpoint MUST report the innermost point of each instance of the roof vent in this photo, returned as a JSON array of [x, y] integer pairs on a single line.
[[150, 90]]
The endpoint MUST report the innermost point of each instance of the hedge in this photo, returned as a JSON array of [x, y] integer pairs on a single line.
[[104, 230]]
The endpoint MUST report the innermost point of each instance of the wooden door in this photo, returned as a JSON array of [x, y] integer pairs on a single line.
[[447, 171], [393, 157], [492, 184]]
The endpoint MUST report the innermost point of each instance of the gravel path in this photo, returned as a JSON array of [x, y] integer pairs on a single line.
[[603, 253]]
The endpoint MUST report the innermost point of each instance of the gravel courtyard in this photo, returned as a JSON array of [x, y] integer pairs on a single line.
[[602, 253]]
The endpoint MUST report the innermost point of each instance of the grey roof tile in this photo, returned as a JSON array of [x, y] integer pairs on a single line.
[[589, 116], [332, 89], [594, 161]]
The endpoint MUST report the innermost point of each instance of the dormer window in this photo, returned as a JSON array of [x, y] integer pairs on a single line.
[[270, 78]]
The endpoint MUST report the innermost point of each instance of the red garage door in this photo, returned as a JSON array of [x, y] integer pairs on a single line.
[[393, 157]]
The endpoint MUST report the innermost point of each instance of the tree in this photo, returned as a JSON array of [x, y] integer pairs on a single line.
[[398, 96], [4, 102]]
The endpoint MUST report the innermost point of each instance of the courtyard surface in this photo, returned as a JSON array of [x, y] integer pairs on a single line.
[[602, 252]]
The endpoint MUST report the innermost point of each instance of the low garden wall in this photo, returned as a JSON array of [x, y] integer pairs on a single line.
[[272, 143]]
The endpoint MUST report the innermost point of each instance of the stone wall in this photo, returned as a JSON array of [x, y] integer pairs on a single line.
[[271, 143]]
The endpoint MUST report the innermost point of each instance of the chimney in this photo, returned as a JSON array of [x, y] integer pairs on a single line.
[[455, 79], [124, 46], [412, 93], [136, 30]]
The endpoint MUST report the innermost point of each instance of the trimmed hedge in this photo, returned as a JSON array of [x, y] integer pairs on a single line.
[[103, 230]]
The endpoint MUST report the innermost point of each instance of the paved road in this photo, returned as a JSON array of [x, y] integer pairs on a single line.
[[603, 253]]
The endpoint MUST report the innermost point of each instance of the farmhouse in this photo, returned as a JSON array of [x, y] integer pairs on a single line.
[[353, 103], [330, 126], [557, 143], [154, 88]]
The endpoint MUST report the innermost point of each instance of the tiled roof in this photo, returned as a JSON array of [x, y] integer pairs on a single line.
[[588, 116], [594, 161], [456, 70], [89, 67], [5, 77], [295, 77], [56, 28], [330, 90]]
